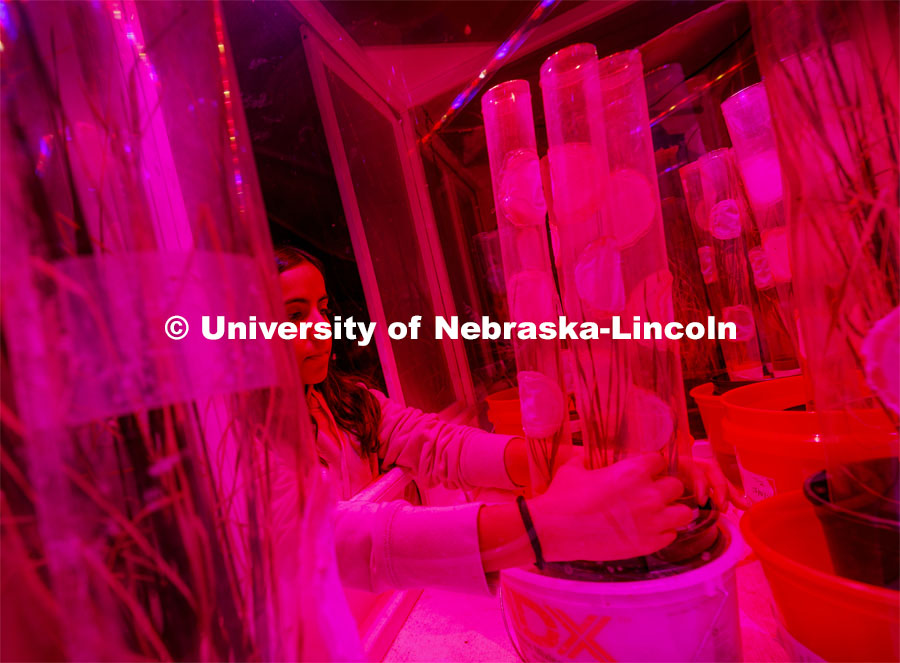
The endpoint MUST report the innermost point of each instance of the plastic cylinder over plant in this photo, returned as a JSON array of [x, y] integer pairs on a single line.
[[718, 211], [530, 286], [834, 99], [749, 123], [129, 195], [612, 252]]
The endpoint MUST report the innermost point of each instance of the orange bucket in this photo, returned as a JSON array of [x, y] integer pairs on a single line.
[[712, 412], [836, 618], [778, 449], [504, 412]]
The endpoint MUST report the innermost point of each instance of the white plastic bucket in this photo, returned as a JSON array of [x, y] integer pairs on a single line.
[[692, 616]]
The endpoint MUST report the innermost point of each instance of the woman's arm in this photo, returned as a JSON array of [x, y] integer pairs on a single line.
[[393, 545], [616, 512], [439, 452]]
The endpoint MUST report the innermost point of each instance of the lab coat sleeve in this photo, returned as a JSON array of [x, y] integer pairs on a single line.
[[393, 545], [437, 452]]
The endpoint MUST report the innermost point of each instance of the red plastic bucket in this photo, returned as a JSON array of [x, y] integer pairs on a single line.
[[778, 449], [504, 412], [836, 618], [712, 412]]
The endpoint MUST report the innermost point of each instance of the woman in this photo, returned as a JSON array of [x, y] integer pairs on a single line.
[[395, 545]]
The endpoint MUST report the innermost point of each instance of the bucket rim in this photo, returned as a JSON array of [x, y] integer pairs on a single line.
[[508, 395], [802, 572], [718, 567], [842, 512], [734, 400], [829, 422], [705, 391]]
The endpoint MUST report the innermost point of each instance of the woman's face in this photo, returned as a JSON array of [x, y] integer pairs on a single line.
[[303, 289]]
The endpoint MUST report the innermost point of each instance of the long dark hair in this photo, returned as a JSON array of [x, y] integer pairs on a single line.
[[353, 406]]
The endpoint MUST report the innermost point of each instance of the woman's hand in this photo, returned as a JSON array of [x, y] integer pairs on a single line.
[[708, 482], [616, 512], [704, 475]]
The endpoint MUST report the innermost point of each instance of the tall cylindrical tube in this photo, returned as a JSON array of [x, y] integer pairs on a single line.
[[590, 268], [655, 409], [834, 97], [677, 139], [146, 453], [718, 213], [750, 127], [749, 124], [612, 252], [530, 286]]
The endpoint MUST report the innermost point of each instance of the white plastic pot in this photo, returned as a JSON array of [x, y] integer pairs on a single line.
[[692, 616]]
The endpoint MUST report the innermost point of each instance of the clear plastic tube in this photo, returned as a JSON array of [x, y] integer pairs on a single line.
[[612, 252], [675, 139], [834, 98], [589, 262], [718, 213], [655, 407], [530, 286], [749, 124], [147, 464]]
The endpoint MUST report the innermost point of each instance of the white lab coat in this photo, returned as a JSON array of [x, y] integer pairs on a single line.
[[394, 545]]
